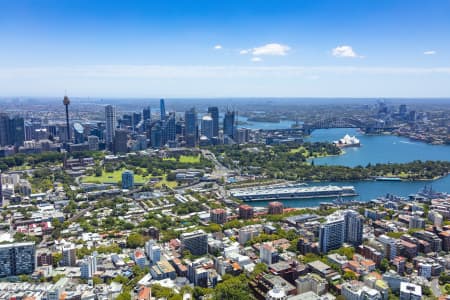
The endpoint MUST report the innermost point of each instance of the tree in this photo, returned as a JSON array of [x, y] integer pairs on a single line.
[[56, 278], [447, 288], [444, 278], [98, 172], [187, 254], [97, 280], [24, 278], [120, 279], [57, 256], [384, 265], [234, 288], [426, 290], [159, 291], [213, 227], [135, 240], [172, 176], [258, 269], [200, 292], [349, 275], [346, 251], [125, 295]]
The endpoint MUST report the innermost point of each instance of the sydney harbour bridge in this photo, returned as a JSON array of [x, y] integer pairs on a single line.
[[371, 126]]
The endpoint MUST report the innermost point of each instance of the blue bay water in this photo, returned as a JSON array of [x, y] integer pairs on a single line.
[[378, 149], [374, 149], [283, 124]]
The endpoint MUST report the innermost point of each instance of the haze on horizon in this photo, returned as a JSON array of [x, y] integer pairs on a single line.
[[199, 48]]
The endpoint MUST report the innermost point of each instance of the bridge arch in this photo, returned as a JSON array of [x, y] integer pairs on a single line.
[[334, 122]]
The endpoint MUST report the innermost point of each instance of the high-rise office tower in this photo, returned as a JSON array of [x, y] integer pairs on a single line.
[[120, 141], [137, 117], [147, 114], [162, 109], [402, 110], [1, 190], [332, 233], [156, 136], [191, 127], [353, 227], [111, 123], [168, 129], [214, 112], [4, 126], [17, 130], [12, 130], [228, 124], [126, 121], [66, 102], [207, 126]]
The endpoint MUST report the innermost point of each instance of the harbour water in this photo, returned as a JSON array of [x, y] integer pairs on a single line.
[[378, 149], [283, 124], [368, 190], [374, 149]]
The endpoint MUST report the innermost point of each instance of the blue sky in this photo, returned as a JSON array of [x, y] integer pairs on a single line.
[[199, 48]]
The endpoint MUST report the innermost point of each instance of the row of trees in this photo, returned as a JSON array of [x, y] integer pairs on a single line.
[[166, 165], [291, 163], [50, 157]]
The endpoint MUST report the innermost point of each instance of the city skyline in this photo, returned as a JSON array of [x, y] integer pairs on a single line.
[[230, 49], [198, 149]]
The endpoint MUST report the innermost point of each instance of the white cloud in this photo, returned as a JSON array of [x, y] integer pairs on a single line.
[[244, 51], [429, 52], [218, 47], [271, 49], [344, 51], [256, 59]]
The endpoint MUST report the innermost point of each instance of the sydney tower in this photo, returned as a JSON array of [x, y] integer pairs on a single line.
[[66, 103]]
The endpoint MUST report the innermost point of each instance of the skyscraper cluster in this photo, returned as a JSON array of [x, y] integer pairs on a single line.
[[191, 131], [130, 131]]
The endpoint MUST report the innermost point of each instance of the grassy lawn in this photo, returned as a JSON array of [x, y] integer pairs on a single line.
[[297, 150], [171, 184], [116, 176], [302, 149], [186, 159], [21, 168]]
